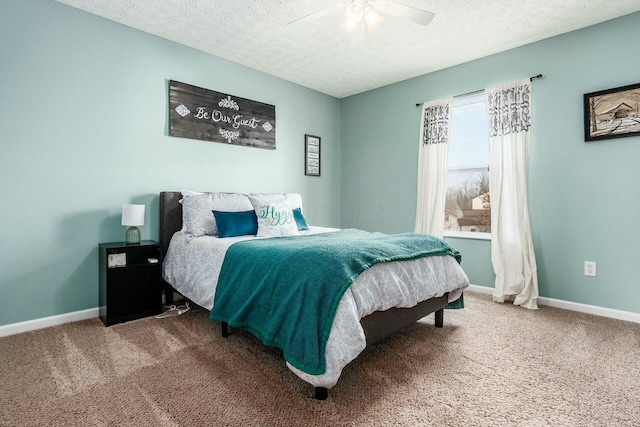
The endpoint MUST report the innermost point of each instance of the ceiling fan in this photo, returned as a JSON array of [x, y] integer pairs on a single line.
[[361, 16]]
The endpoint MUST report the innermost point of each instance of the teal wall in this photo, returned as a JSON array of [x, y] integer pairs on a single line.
[[583, 197], [83, 130], [83, 118]]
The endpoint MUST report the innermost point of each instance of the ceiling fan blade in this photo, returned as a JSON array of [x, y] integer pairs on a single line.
[[319, 13], [398, 10]]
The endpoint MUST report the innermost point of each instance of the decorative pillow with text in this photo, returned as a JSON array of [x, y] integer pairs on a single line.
[[275, 216], [294, 198]]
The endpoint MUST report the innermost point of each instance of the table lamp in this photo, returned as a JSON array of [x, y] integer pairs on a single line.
[[132, 217]]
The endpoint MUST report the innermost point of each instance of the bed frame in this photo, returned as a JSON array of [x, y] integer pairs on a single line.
[[377, 325]]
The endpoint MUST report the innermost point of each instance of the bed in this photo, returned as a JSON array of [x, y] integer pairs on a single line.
[[370, 309]]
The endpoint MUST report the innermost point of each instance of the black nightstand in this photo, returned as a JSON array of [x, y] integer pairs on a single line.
[[130, 281]]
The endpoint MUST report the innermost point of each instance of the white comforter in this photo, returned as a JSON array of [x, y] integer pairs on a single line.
[[192, 265]]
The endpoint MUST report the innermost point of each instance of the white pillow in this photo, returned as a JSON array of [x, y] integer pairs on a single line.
[[197, 210], [275, 216], [294, 198], [187, 193]]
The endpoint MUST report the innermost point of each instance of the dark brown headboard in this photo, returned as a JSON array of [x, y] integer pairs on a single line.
[[170, 217]]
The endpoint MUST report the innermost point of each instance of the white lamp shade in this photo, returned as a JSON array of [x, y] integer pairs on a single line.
[[133, 215]]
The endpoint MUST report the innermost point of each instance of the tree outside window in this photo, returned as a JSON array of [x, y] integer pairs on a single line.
[[468, 201]]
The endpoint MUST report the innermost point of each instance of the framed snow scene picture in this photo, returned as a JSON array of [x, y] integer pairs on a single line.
[[612, 113]]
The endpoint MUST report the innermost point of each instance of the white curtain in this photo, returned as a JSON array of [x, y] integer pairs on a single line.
[[433, 156], [512, 253]]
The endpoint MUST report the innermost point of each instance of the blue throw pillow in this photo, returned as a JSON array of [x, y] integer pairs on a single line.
[[231, 224], [300, 221]]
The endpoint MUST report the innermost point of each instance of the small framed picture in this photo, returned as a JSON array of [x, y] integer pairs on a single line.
[[612, 113], [312, 155]]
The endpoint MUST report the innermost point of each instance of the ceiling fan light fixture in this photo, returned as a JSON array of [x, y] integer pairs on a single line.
[[353, 13], [372, 18], [380, 5]]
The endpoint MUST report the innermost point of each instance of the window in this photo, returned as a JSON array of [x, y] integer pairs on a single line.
[[468, 203]]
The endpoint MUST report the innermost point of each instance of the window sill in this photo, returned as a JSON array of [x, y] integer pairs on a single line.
[[467, 235]]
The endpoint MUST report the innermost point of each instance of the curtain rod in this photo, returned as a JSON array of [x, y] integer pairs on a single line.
[[538, 76]]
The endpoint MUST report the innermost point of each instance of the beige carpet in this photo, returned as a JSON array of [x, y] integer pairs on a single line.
[[491, 365]]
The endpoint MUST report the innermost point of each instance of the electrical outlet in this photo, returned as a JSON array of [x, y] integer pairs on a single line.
[[589, 268]]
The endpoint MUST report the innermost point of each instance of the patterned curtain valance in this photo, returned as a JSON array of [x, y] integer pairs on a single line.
[[509, 108], [436, 121]]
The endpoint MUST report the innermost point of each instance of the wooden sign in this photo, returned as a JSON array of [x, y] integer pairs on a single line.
[[207, 115]]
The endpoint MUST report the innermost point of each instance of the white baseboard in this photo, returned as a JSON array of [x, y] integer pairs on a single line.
[[45, 322], [481, 289], [574, 306]]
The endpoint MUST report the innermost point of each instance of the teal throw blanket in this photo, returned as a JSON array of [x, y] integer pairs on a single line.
[[285, 290]]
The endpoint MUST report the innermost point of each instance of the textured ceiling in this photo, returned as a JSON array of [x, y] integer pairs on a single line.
[[319, 54]]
